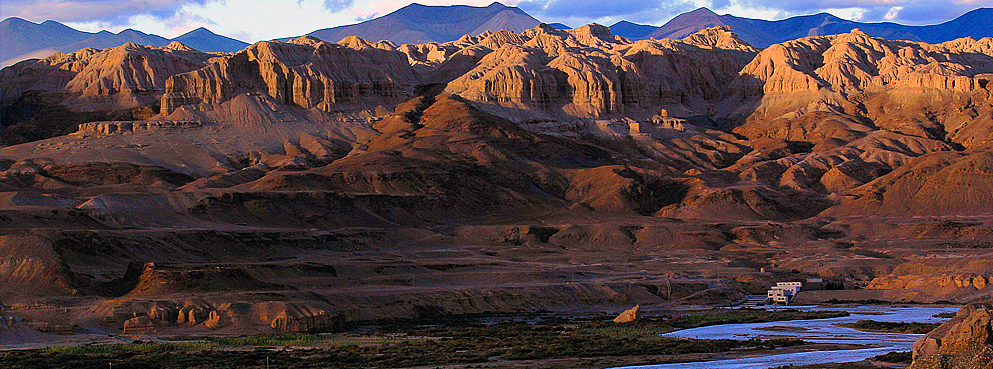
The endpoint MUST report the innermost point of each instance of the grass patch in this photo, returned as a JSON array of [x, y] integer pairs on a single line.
[[883, 302], [412, 343], [891, 327], [902, 357], [136, 347]]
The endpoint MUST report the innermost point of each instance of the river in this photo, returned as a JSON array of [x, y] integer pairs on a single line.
[[817, 330]]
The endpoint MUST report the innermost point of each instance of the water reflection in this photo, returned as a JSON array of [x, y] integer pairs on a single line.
[[819, 331]]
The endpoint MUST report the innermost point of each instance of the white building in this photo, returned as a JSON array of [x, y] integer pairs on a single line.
[[783, 292], [778, 296]]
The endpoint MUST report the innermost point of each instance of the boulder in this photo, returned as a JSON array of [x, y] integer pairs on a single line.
[[964, 342], [192, 315], [139, 325], [960, 281], [213, 320], [197, 316], [979, 282], [165, 314], [298, 317], [629, 315], [8, 322], [945, 281]]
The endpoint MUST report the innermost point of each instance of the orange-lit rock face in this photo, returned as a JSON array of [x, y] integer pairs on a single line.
[[587, 72], [629, 315], [294, 186], [305, 72], [965, 342]]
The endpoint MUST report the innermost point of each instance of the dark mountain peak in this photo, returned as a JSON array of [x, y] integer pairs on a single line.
[[411, 7], [820, 17], [199, 31], [21, 39], [762, 33], [632, 30], [702, 11], [702, 16], [624, 23], [416, 23], [15, 24], [980, 14], [130, 31], [979, 11], [15, 20], [204, 39]]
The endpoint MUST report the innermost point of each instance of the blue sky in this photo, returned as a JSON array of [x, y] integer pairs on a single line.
[[254, 20]]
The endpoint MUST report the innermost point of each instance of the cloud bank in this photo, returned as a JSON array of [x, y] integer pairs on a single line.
[[253, 20]]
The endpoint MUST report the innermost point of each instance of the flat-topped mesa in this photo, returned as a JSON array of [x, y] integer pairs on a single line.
[[593, 29], [304, 73], [592, 34], [109, 127]]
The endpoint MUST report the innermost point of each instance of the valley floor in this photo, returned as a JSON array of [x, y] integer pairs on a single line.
[[503, 341]]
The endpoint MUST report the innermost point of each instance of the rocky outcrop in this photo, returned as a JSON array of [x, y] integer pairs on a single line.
[[837, 83], [587, 72], [8, 322], [126, 72], [305, 72], [298, 317], [855, 61], [136, 126], [965, 342], [163, 279], [138, 325], [628, 316], [142, 317]]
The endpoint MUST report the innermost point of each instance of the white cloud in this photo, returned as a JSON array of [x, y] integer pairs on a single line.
[[254, 20]]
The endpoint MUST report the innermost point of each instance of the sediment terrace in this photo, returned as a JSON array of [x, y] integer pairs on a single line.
[[136, 126]]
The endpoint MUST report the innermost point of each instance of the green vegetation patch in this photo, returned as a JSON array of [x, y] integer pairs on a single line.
[[891, 327], [902, 357], [412, 343]]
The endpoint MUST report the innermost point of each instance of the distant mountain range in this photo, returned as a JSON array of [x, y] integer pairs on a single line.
[[762, 33], [21, 39], [416, 24]]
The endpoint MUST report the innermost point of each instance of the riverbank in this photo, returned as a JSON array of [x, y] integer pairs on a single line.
[[825, 331], [491, 341]]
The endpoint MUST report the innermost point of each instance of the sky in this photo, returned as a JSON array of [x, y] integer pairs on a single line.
[[255, 20]]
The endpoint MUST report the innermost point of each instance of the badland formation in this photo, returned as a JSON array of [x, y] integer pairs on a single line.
[[303, 184]]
